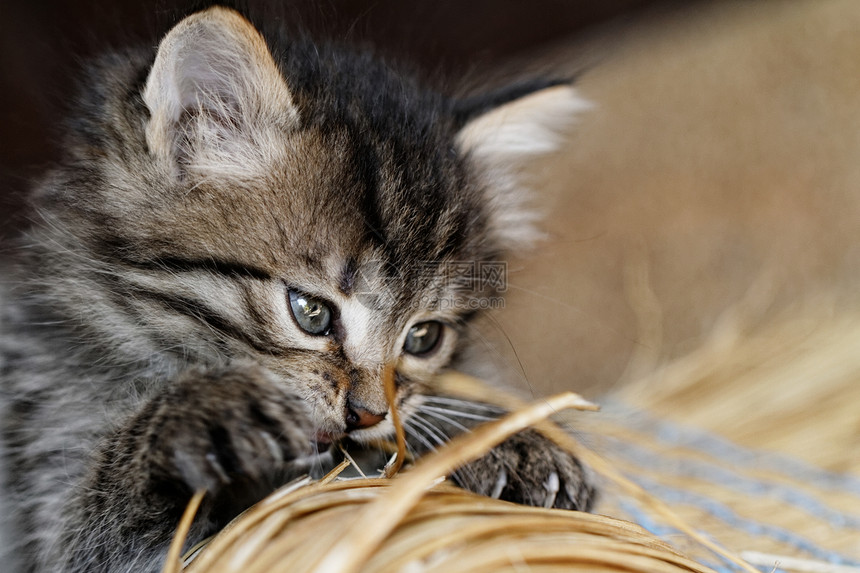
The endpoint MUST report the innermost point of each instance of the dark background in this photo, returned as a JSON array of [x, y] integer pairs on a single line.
[[43, 43]]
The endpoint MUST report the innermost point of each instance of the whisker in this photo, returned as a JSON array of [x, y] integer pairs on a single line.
[[466, 403], [431, 410], [446, 419], [466, 473], [413, 432], [431, 431], [496, 352]]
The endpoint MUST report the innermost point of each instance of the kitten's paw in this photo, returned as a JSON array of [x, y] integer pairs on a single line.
[[216, 428], [530, 469]]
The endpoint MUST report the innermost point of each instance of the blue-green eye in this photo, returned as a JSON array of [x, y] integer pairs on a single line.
[[311, 314], [423, 337]]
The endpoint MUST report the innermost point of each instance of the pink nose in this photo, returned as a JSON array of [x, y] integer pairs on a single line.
[[358, 418]]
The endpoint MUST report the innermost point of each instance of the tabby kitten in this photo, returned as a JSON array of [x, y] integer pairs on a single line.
[[239, 235]]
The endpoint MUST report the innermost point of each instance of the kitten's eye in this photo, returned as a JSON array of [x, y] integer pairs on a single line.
[[312, 315], [423, 337]]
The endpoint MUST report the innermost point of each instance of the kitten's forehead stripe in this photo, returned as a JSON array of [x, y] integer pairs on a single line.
[[367, 168], [347, 277]]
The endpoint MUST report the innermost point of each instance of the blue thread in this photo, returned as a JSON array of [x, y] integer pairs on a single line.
[[718, 447], [714, 473], [665, 532], [645, 521], [724, 513]]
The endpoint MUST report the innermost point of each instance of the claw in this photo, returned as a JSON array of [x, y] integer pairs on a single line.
[[552, 487], [216, 465], [501, 482], [274, 449]]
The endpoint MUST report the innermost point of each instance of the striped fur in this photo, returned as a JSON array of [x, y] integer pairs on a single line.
[[148, 344]]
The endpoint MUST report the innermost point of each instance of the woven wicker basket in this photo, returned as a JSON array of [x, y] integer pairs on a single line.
[[677, 495]]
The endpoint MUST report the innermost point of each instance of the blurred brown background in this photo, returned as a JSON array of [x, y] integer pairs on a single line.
[[43, 43], [716, 181], [718, 168]]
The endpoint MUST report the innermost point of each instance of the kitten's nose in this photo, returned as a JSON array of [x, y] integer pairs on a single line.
[[357, 418]]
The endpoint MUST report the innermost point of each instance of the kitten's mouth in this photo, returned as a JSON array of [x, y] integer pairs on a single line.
[[323, 440]]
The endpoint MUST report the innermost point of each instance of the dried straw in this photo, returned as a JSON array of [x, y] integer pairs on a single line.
[[173, 564], [464, 385], [417, 522], [724, 432]]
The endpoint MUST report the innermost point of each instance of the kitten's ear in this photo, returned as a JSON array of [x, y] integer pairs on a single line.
[[213, 91], [500, 135]]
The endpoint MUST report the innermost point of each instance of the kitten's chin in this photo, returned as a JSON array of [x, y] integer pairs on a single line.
[[322, 441], [378, 432]]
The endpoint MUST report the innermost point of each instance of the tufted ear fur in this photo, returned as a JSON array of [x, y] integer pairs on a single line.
[[215, 95], [500, 142]]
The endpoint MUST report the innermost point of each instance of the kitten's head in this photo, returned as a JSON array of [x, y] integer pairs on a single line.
[[304, 207]]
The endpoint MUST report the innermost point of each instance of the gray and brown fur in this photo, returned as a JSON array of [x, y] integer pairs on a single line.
[[148, 348]]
